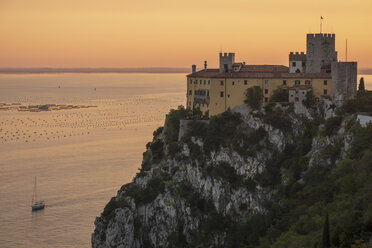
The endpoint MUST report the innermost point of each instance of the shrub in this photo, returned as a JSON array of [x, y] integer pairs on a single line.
[[114, 203], [154, 187], [197, 129], [157, 151], [332, 125], [173, 123], [225, 172], [221, 129], [195, 150], [280, 94], [278, 119], [146, 161], [361, 103], [361, 142], [310, 100], [173, 149], [174, 117], [186, 192], [158, 131], [254, 97]]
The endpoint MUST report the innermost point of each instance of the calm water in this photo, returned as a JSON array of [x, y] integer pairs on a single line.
[[81, 157]]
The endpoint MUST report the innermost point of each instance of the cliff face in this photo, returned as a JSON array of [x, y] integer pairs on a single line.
[[210, 188]]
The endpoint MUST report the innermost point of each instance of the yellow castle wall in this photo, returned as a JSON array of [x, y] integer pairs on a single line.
[[234, 93]]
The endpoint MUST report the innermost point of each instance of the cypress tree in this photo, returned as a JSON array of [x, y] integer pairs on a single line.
[[361, 85], [326, 243]]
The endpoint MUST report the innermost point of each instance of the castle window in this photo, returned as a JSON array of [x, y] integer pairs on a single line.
[[190, 92], [207, 92], [196, 81], [209, 81], [266, 99], [296, 99], [325, 92], [297, 82], [266, 91], [245, 82], [190, 81], [221, 94], [303, 63], [266, 82], [228, 95], [284, 82], [325, 82], [190, 103], [294, 64], [201, 81], [307, 82], [205, 81], [233, 83], [221, 83]]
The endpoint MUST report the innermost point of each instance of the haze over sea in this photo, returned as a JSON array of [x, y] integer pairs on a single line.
[[81, 157]]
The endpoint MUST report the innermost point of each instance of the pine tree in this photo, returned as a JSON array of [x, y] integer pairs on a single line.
[[361, 85], [326, 243]]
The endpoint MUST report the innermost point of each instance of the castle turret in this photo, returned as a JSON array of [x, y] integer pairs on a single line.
[[226, 62], [297, 62], [320, 52]]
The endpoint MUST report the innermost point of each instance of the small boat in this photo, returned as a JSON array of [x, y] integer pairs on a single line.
[[36, 205]]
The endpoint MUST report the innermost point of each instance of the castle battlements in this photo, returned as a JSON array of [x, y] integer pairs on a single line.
[[321, 35], [216, 90]]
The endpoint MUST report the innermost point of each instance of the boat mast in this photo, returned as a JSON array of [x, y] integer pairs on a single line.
[[35, 191]]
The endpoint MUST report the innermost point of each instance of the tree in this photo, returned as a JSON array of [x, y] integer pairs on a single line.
[[310, 99], [361, 85], [280, 94], [254, 97], [326, 243]]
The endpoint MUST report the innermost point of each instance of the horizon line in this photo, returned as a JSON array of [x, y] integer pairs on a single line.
[[40, 70]]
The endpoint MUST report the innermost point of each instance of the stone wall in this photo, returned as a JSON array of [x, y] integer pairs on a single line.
[[344, 81], [364, 120]]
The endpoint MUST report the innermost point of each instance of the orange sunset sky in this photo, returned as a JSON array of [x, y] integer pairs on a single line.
[[174, 33]]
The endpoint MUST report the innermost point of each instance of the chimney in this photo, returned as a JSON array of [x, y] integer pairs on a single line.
[[205, 66], [193, 70]]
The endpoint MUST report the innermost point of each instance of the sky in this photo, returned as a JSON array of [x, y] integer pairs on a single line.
[[175, 33]]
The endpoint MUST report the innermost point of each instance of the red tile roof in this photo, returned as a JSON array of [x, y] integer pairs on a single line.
[[264, 68], [258, 71]]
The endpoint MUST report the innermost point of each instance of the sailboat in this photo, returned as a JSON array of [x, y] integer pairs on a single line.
[[36, 205]]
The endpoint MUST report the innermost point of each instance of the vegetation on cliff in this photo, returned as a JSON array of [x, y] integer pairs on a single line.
[[305, 182]]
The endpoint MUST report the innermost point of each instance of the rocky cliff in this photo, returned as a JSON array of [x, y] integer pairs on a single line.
[[226, 183]]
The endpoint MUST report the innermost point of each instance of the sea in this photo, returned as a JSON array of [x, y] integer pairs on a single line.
[[80, 156], [81, 152]]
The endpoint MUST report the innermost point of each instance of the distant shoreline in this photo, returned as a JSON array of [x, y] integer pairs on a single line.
[[92, 70], [362, 71]]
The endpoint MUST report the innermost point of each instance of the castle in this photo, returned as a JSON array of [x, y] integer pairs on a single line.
[[216, 90]]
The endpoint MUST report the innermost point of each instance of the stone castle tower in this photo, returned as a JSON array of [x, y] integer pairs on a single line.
[[320, 52], [226, 61]]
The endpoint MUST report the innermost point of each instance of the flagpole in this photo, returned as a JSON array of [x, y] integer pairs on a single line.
[[346, 50], [321, 18]]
